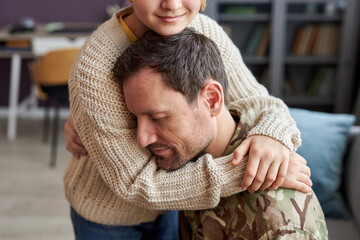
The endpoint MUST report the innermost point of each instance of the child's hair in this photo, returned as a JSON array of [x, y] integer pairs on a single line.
[[203, 5]]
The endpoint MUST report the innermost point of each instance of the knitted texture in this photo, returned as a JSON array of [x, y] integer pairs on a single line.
[[118, 183]]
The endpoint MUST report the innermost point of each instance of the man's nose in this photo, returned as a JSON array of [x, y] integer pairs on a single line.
[[171, 4], [146, 133]]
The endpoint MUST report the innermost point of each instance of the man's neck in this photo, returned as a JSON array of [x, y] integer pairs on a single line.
[[226, 127]]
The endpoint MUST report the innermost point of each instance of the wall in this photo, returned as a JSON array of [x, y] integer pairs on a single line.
[[54, 10], [45, 11]]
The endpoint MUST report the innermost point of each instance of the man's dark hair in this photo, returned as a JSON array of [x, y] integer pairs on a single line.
[[185, 60]]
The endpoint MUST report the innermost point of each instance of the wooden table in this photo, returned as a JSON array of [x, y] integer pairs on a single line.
[[70, 31]]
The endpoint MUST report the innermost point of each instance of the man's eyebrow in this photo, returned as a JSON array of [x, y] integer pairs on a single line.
[[153, 112]]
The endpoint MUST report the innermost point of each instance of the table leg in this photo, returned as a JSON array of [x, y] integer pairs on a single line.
[[14, 95]]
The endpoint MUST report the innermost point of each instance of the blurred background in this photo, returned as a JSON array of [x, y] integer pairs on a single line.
[[305, 52]]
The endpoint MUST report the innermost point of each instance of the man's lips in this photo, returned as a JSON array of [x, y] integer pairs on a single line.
[[171, 19], [159, 151]]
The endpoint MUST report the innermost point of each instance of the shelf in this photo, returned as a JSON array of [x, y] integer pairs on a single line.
[[306, 1], [310, 60], [8, 54], [309, 101], [245, 1], [306, 36], [255, 60], [223, 17], [299, 17]]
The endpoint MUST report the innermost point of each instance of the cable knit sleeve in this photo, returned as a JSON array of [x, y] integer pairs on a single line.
[[266, 114]]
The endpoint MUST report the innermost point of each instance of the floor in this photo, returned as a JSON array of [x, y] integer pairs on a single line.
[[32, 203]]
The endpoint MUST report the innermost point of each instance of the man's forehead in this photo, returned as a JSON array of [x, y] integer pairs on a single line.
[[149, 102], [147, 93]]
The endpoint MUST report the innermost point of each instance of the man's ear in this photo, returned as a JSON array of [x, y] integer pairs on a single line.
[[212, 93]]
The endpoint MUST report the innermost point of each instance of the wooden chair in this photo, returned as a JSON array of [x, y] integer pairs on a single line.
[[50, 76]]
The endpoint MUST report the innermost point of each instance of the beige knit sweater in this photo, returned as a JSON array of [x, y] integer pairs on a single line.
[[118, 183]]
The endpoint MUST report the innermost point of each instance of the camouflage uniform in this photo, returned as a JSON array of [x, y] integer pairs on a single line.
[[271, 214]]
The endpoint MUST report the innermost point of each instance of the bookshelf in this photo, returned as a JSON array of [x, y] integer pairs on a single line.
[[303, 51]]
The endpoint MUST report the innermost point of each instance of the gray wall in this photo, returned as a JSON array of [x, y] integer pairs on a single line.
[[45, 11], [54, 10]]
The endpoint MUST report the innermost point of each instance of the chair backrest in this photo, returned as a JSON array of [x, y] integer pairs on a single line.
[[54, 67]]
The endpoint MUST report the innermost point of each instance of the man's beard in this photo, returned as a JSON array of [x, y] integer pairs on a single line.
[[176, 160]]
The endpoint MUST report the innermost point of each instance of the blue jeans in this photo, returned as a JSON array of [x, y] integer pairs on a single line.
[[165, 227]]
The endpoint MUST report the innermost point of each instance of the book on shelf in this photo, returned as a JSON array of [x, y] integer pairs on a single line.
[[333, 33], [311, 8], [264, 42], [304, 40], [327, 88], [289, 87], [227, 29], [321, 43], [238, 9], [312, 40], [315, 83], [321, 85], [258, 42], [297, 80], [298, 41], [317, 40], [328, 41]]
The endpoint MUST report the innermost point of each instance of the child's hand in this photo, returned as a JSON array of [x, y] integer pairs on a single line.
[[298, 175], [73, 142], [267, 163]]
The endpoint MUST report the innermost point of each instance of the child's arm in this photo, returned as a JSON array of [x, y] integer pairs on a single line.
[[273, 134], [107, 130]]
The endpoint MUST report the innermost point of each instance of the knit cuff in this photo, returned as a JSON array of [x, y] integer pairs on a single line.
[[234, 175], [280, 127]]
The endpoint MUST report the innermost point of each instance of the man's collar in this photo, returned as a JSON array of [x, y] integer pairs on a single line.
[[240, 133]]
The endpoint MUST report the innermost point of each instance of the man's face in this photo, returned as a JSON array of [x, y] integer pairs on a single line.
[[175, 131]]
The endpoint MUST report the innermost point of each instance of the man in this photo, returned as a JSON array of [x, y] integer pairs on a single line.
[[178, 95]]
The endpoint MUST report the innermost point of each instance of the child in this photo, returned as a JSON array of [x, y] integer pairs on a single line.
[[118, 183]]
